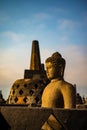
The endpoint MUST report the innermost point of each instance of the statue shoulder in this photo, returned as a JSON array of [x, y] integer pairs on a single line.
[[68, 86]]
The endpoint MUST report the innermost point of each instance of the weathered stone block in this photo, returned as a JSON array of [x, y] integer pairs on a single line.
[[28, 118]]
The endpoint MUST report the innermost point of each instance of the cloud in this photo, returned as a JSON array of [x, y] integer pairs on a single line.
[[84, 19], [13, 62], [43, 16], [67, 24], [41, 26], [73, 27], [59, 10], [13, 36], [53, 10], [45, 53], [4, 17], [76, 67]]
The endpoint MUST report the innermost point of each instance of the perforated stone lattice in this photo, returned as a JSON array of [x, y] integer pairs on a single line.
[[27, 91]]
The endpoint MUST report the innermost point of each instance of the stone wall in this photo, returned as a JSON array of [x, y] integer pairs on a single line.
[[15, 117]]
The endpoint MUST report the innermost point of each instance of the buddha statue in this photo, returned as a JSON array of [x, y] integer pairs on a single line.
[[58, 93]]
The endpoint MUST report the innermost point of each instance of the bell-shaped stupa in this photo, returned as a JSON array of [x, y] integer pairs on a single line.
[[29, 90]]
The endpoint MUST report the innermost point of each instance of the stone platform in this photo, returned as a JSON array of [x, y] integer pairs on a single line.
[[22, 117]]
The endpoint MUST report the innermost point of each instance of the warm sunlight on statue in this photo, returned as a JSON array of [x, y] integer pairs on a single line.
[[58, 93]]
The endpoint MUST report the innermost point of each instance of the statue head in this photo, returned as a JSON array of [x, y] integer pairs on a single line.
[[55, 66]]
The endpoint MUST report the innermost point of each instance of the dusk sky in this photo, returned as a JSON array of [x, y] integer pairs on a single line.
[[58, 25]]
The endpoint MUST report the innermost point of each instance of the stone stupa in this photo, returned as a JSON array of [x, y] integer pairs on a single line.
[[29, 90]]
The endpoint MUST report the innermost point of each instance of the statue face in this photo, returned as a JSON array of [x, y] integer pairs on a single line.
[[51, 71]]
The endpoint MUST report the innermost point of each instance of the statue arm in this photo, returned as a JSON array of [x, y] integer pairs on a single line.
[[69, 95]]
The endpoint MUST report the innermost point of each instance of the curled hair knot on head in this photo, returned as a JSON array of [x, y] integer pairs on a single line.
[[56, 55]]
